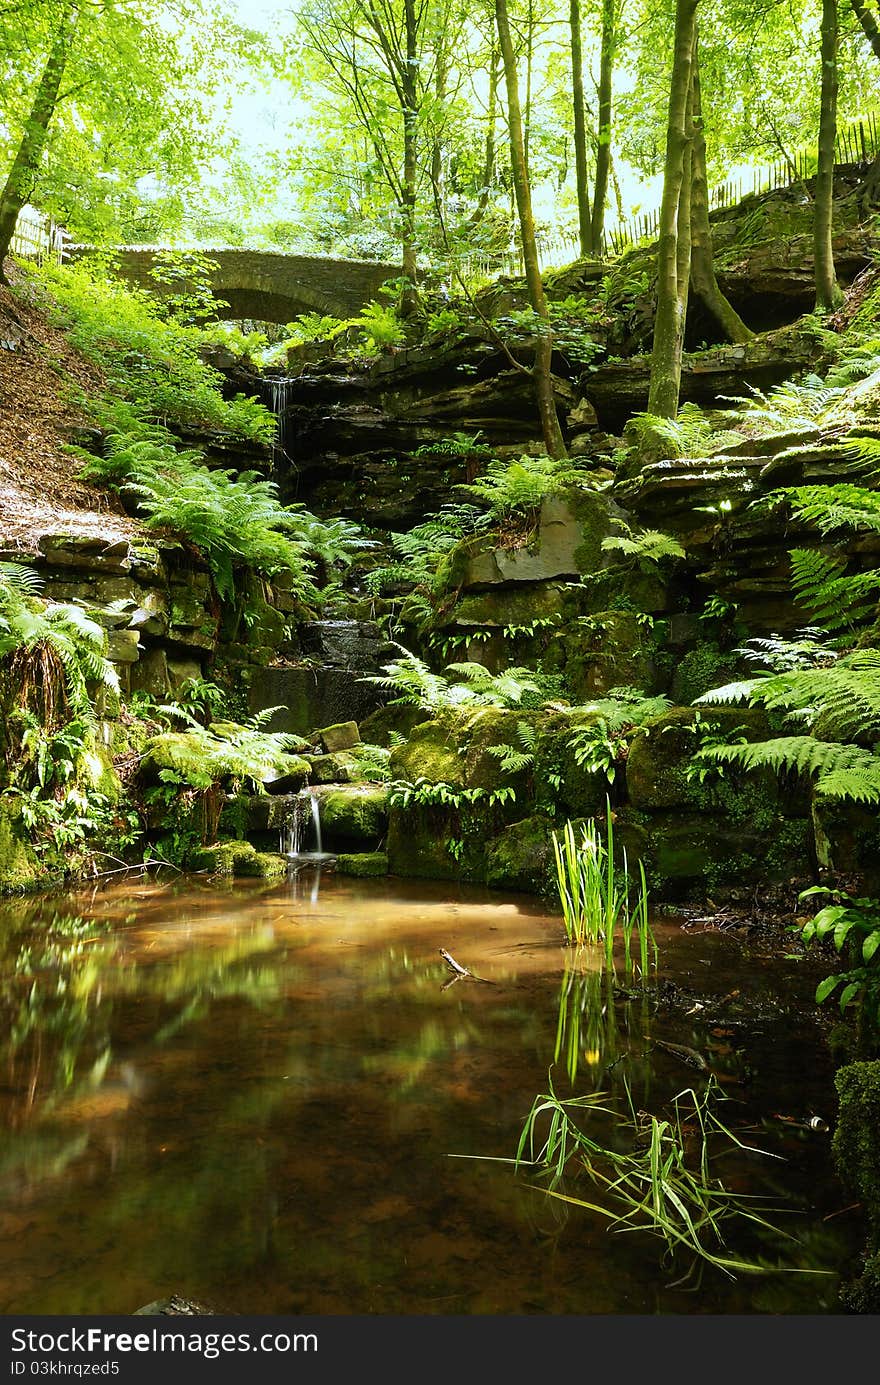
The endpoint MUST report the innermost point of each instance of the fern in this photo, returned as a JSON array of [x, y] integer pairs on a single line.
[[827, 508], [847, 772], [513, 760], [787, 408], [648, 546], [821, 586]]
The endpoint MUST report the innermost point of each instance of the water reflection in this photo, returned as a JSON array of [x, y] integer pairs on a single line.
[[250, 1093]]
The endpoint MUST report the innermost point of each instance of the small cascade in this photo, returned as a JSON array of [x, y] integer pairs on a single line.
[[276, 396], [300, 836]]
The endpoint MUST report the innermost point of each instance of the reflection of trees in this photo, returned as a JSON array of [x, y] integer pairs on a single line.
[[65, 983]]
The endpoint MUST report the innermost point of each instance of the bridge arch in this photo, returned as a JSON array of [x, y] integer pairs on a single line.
[[268, 285]]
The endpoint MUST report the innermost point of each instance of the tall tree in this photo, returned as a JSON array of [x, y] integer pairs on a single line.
[[25, 168], [384, 57], [665, 383], [869, 24], [541, 370], [828, 293], [106, 115], [608, 45], [582, 185], [702, 271]]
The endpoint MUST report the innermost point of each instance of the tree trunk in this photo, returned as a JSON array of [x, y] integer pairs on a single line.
[[828, 294], [869, 25], [668, 324], [703, 280], [409, 78], [489, 155], [585, 229], [603, 134], [552, 433], [26, 164]]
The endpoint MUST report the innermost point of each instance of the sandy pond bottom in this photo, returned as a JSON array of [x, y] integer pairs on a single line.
[[250, 1096]]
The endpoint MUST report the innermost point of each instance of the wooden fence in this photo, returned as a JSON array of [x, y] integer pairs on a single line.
[[36, 237], [858, 142]]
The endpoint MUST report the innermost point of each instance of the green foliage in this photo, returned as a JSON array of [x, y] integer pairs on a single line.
[[665, 1186], [51, 653], [419, 561], [835, 600], [416, 685], [379, 327], [514, 490], [692, 433], [786, 408], [648, 548], [185, 277], [515, 758], [598, 902], [603, 744], [150, 361], [427, 793], [853, 926], [234, 518]]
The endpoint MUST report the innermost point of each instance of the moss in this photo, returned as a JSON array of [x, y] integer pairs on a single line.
[[419, 839], [613, 650], [239, 859], [856, 1148], [379, 726], [265, 865], [223, 858], [362, 863], [699, 670], [353, 813], [522, 856], [659, 756], [19, 868]]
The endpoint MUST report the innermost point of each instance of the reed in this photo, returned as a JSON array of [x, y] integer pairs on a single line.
[[665, 1186], [600, 903]]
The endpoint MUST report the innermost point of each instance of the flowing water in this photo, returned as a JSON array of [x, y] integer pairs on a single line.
[[260, 1096]]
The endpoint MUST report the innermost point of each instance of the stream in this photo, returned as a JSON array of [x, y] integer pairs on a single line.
[[277, 1099]]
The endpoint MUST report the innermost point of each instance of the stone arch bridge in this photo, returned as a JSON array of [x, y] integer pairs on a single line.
[[268, 285]]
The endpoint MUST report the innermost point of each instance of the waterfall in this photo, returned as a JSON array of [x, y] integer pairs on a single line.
[[305, 813], [275, 392]]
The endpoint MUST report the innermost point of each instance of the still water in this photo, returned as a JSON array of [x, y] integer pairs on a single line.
[[259, 1097]]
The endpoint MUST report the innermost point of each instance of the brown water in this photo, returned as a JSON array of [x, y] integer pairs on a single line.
[[251, 1095]]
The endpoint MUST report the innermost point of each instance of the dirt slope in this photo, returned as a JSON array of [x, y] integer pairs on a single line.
[[39, 487]]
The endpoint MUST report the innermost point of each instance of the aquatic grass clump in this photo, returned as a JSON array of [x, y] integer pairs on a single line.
[[663, 1186], [600, 903]]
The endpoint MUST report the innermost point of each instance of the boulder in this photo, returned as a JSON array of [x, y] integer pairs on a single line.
[[343, 736], [362, 863], [352, 813]]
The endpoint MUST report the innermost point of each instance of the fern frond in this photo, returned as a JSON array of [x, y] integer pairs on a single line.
[[822, 587], [839, 771]]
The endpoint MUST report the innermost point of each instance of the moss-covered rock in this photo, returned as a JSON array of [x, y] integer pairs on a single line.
[[609, 649], [659, 756], [856, 1147], [352, 813], [847, 839], [699, 855], [19, 867], [341, 768], [701, 668], [380, 726], [188, 754], [345, 735], [420, 842], [521, 857], [362, 863], [238, 859]]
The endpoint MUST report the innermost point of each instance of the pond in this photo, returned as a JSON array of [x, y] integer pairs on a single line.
[[277, 1099]]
